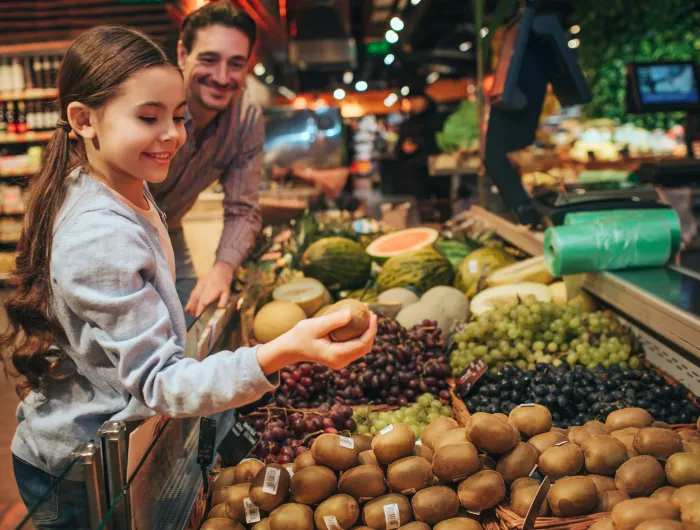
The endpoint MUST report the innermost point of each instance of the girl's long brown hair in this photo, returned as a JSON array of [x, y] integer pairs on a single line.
[[93, 69]]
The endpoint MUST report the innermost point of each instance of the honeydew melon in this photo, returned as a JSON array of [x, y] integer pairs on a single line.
[[529, 270], [452, 302], [486, 300], [275, 319], [398, 294], [308, 293]]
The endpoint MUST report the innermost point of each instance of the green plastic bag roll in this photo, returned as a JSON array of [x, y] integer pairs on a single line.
[[613, 244], [667, 215]]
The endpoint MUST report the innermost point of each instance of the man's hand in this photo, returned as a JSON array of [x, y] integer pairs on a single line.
[[217, 285]]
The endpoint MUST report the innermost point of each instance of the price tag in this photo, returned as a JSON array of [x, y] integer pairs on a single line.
[[252, 512], [418, 442], [473, 266], [532, 472], [238, 443], [561, 443], [392, 516], [207, 440], [474, 513], [331, 522], [470, 376], [272, 480], [387, 429], [346, 442]]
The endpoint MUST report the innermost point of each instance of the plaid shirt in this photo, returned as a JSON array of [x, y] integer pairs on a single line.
[[229, 149]]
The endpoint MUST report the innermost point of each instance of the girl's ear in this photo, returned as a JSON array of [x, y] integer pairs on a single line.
[[80, 118]]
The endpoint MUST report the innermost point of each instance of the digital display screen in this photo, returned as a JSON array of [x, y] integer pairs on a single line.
[[665, 84]]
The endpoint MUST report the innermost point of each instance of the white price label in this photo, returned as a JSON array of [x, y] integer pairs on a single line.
[[532, 472], [387, 429], [290, 471], [527, 405], [473, 266], [346, 442], [392, 516], [561, 443], [272, 480], [252, 512], [473, 513], [418, 442], [331, 522]]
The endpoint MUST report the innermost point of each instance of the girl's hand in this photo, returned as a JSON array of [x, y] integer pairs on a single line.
[[309, 341]]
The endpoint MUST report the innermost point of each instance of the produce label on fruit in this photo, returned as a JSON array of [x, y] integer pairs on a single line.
[[331, 522], [470, 376], [238, 443], [527, 405], [532, 472], [418, 442], [252, 512], [561, 443], [272, 480], [346, 442], [387, 429], [392, 516]]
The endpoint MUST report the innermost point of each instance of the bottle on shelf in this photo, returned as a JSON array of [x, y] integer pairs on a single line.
[[5, 75], [21, 118], [27, 68], [36, 71], [31, 122], [46, 67], [56, 67], [3, 122], [17, 75], [10, 118]]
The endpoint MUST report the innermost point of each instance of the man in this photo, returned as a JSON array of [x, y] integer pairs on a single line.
[[225, 140]]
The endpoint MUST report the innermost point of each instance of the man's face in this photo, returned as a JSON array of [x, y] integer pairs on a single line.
[[216, 67]]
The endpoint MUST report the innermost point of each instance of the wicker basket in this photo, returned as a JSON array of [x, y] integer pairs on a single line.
[[509, 520]]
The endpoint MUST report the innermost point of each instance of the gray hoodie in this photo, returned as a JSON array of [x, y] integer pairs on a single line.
[[114, 296]]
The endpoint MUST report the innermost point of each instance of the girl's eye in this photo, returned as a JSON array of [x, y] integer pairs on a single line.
[[148, 119]]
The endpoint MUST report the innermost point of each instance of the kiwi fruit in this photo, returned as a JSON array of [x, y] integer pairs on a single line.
[[665, 524], [607, 500], [560, 430], [415, 525], [572, 496], [661, 425], [522, 493], [691, 447], [628, 514], [269, 501], [626, 436], [246, 470], [435, 430], [603, 483], [690, 515], [486, 462], [596, 427], [603, 454], [629, 417], [665, 493], [221, 523], [517, 463], [458, 523], [292, 516], [373, 514], [305, 459], [367, 458], [544, 441], [313, 484], [234, 501], [531, 420], [689, 435], [363, 482], [481, 491], [338, 511], [683, 469], [435, 504], [409, 475], [640, 476], [451, 437], [394, 444], [357, 326], [262, 524], [424, 452], [685, 495], [578, 435], [219, 495], [363, 442], [364, 528], [227, 478], [328, 451], [456, 461], [561, 461], [217, 511], [492, 434], [602, 524], [656, 442]]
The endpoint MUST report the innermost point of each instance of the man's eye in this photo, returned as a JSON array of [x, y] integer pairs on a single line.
[[207, 60]]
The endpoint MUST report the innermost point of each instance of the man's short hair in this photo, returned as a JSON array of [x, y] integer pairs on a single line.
[[220, 12]]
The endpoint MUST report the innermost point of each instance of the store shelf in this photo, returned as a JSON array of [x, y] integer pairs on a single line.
[[32, 93], [26, 138], [17, 174]]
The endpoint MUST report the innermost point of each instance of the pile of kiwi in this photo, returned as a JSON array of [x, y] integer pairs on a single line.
[[642, 472]]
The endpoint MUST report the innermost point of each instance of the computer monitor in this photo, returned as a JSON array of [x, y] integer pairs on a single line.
[[662, 87]]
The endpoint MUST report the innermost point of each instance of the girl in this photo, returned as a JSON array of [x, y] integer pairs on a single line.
[[96, 327]]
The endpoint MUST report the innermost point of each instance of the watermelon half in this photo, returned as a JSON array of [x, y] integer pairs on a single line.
[[390, 245]]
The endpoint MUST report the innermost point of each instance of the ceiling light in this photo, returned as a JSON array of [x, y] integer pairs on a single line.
[[348, 77], [339, 94], [484, 32], [432, 77], [465, 46], [396, 24], [391, 99], [405, 91], [269, 79], [574, 43], [259, 69], [415, 2], [361, 86], [391, 36], [575, 29], [389, 59]]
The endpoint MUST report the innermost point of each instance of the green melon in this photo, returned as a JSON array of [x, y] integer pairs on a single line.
[[480, 262], [337, 262], [396, 243], [453, 250], [421, 269], [370, 295]]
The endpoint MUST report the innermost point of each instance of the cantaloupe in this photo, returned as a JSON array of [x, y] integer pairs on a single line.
[[452, 302], [398, 294], [275, 319], [486, 299]]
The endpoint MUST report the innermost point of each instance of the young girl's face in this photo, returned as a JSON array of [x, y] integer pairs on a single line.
[[142, 127]]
